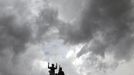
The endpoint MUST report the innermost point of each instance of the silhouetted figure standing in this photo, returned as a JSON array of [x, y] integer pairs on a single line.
[[60, 71], [52, 69]]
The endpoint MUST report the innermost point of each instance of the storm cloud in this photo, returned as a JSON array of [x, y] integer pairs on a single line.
[[107, 25], [102, 27], [22, 24]]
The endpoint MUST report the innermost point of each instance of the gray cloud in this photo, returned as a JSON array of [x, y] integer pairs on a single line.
[[110, 18], [47, 19], [14, 34], [105, 24], [19, 27], [103, 27]]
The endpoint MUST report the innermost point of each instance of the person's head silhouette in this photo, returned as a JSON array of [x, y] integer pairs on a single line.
[[60, 69], [52, 65]]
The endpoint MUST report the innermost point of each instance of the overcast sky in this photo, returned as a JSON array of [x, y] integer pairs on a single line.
[[85, 37]]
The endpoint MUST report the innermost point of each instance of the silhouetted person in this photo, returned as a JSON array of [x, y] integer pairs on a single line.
[[60, 71], [52, 69]]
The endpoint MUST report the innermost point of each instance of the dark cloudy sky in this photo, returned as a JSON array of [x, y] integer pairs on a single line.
[[85, 37]]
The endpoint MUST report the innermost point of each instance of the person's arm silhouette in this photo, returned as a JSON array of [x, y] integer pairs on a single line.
[[59, 66], [48, 65], [56, 66]]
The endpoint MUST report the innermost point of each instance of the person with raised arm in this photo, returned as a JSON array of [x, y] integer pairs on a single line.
[[52, 69], [61, 72]]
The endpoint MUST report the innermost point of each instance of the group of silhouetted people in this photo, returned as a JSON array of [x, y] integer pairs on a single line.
[[53, 68]]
